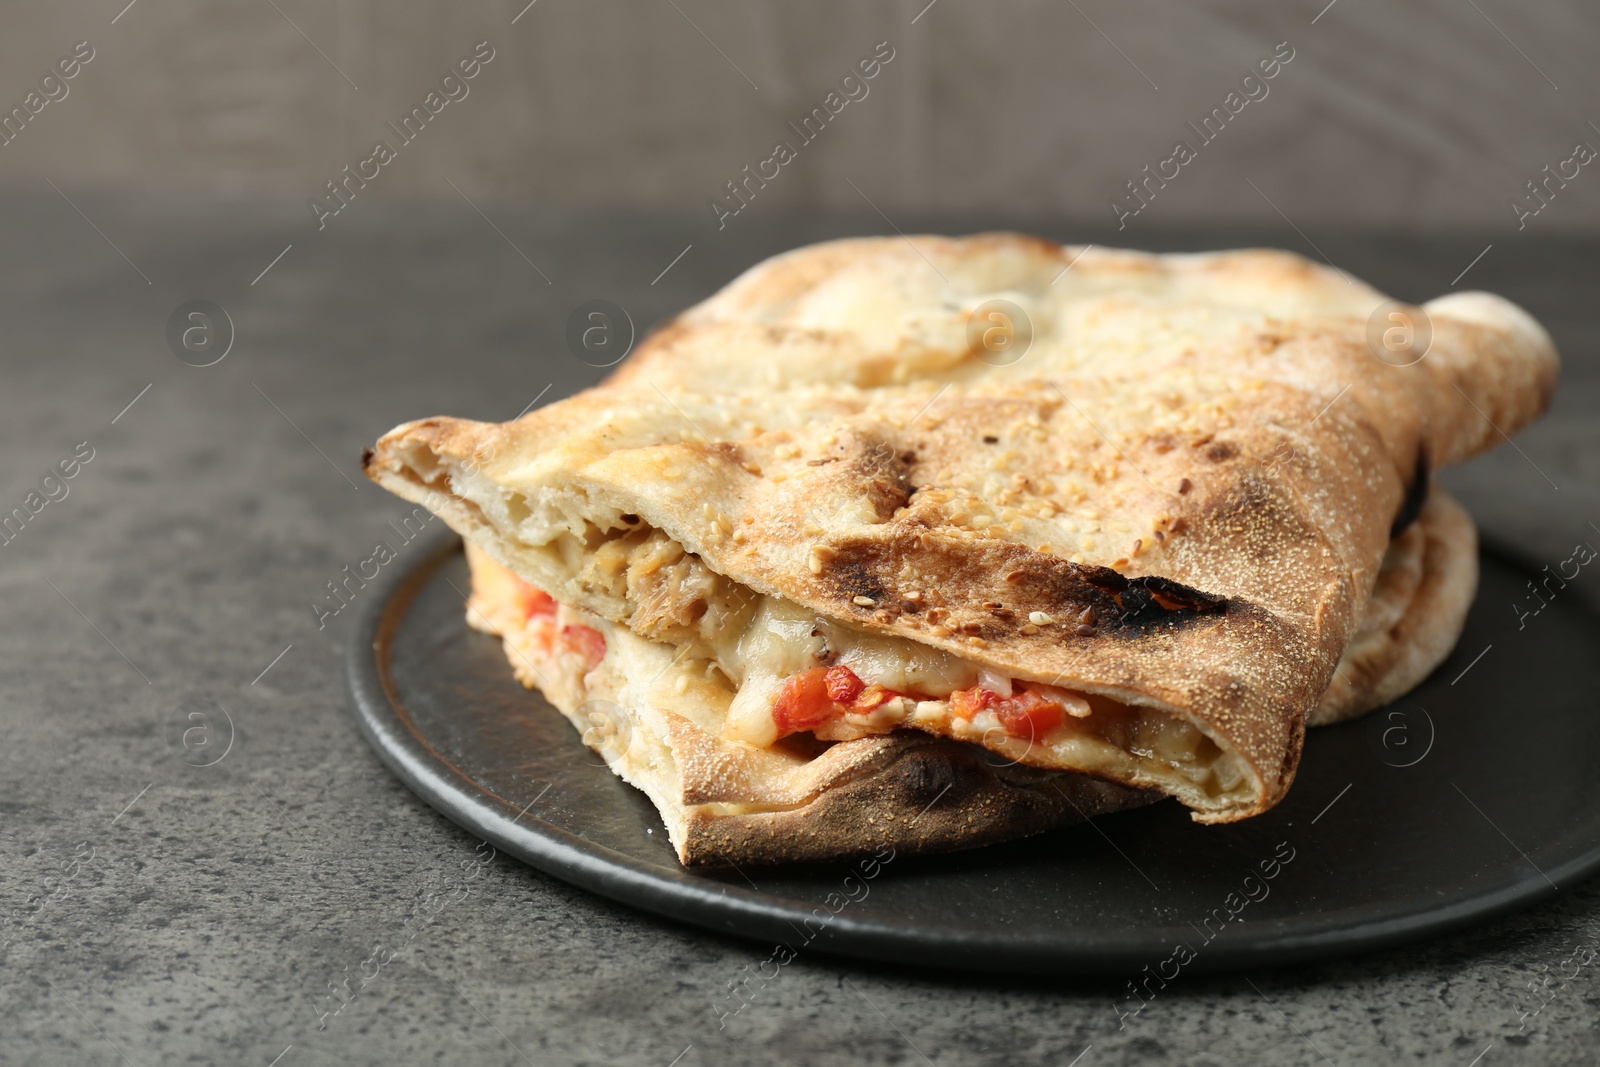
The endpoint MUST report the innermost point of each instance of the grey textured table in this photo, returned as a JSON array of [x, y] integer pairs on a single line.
[[156, 910]]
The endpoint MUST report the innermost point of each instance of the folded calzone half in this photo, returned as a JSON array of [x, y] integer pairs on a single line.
[[821, 509]]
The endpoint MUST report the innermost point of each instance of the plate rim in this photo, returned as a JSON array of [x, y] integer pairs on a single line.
[[764, 917]]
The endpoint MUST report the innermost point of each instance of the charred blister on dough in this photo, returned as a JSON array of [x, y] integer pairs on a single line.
[[1151, 600], [883, 473], [1014, 591], [854, 582], [1222, 451]]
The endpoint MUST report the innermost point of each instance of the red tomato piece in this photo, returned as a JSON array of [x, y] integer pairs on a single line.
[[803, 702], [965, 703], [535, 602], [589, 642], [871, 697], [843, 684], [1027, 715]]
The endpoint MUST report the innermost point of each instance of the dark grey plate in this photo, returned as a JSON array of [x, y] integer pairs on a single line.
[[1477, 794]]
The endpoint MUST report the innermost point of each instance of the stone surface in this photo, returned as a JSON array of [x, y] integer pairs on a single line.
[[154, 910]]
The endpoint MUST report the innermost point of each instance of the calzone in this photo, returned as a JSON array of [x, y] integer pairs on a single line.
[[1105, 525]]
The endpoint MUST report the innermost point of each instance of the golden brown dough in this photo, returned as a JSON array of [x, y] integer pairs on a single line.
[[1414, 617], [1192, 474]]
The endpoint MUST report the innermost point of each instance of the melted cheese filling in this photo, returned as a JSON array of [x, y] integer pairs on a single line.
[[751, 644], [1116, 740]]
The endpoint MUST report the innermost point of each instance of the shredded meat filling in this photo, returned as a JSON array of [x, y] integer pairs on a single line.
[[669, 594]]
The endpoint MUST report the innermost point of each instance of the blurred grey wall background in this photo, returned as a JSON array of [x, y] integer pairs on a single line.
[[1423, 115]]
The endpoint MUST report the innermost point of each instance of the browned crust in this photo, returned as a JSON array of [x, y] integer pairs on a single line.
[[1495, 369], [1276, 552], [927, 796], [1415, 616], [1259, 435]]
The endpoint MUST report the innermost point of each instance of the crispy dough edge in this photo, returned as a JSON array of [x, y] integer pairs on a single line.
[[935, 796], [1501, 367], [1380, 667]]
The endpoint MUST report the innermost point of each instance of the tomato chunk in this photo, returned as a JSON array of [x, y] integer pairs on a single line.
[[589, 642], [1024, 714], [965, 703], [803, 702], [843, 684], [535, 602], [815, 696], [1027, 715], [872, 696]]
